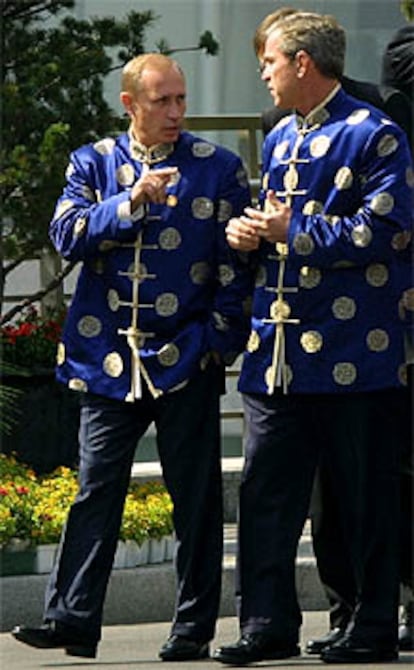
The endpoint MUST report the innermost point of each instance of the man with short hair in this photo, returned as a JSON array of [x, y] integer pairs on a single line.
[[324, 371], [328, 542], [159, 309]]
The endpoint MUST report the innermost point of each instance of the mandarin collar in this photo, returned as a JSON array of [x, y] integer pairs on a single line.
[[149, 155], [319, 114]]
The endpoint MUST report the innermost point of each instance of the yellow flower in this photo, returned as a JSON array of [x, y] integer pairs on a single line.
[[36, 508]]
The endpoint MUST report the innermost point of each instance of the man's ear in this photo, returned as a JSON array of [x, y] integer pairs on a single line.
[[126, 100], [303, 61]]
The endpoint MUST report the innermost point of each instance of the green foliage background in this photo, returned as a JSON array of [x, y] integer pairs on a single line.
[[53, 100], [52, 88]]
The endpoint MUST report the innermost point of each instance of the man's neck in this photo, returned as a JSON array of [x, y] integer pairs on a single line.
[[316, 96]]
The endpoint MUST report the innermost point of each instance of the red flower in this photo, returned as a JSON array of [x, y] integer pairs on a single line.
[[32, 341], [26, 329], [22, 490]]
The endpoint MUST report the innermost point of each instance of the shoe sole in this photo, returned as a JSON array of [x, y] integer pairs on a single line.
[[406, 646], [287, 654], [85, 652], [71, 650], [265, 656], [185, 657], [390, 657]]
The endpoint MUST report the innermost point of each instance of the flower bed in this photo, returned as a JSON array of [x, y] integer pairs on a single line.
[[33, 510]]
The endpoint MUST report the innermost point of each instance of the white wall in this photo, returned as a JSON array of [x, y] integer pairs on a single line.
[[228, 83]]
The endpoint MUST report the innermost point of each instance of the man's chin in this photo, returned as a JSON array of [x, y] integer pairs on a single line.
[[278, 102], [171, 136], [274, 98]]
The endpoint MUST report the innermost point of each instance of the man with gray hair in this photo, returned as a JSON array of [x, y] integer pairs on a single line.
[[324, 371]]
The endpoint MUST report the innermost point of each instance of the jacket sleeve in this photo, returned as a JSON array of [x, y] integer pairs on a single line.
[[378, 220], [84, 222], [229, 323]]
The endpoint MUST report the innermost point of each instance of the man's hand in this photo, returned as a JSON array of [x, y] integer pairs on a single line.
[[151, 186], [241, 234], [272, 224]]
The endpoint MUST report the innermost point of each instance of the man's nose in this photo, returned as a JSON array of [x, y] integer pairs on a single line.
[[176, 110]]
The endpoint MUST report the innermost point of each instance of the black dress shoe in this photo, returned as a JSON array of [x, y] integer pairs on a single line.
[[406, 637], [55, 635], [254, 647], [179, 648], [348, 651], [332, 636]]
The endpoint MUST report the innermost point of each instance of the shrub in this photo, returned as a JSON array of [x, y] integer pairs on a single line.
[[31, 341], [35, 508]]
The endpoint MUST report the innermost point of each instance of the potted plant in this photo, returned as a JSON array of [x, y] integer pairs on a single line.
[[30, 342], [43, 416], [33, 511], [55, 494], [17, 491], [133, 545]]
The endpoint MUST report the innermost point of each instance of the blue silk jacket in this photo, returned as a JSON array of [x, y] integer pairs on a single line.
[[158, 289], [329, 306]]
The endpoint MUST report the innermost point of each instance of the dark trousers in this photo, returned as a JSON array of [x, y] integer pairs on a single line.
[[188, 439], [331, 550], [285, 437]]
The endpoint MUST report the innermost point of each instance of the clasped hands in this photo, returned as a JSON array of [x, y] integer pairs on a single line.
[[272, 224], [151, 186]]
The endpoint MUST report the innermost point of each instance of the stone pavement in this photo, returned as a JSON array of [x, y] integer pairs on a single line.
[[136, 647], [147, 594], [139, 605]]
